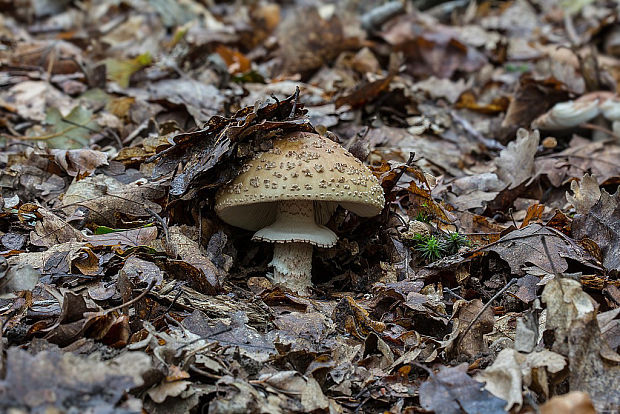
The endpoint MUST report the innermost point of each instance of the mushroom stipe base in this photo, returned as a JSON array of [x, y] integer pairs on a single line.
[[292, 266]]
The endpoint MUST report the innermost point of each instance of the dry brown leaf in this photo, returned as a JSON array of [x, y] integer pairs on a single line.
[[599, 159], [602, 225], [472, 342], [79, 160], [452, 391], [207, 277], [576, 402], [108, 201], [32, 379], [512, 370], [515, 164], [307, 40], [51, 230], [586, 194]]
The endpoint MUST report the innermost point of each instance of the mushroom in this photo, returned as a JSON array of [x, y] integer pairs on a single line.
[[288, 193], [569, 114]]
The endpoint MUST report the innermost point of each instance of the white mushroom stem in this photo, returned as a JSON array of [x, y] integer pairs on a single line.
[[292, 266], [295, 233]]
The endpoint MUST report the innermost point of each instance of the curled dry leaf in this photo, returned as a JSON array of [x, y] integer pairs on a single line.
[[593, 365], [56, 259], [575, 402], [51, 230], [80, 160], [109, 201], [515, 164], [582, 155], [16, 279], [452, 391], [586, 193], [512, 370], [205, 275], [568, 114], [565, 301], [602, 224], [472, 342], [56, 381], [305, 389]]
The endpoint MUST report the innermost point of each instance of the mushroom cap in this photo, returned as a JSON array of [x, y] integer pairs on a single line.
[[300, 166]]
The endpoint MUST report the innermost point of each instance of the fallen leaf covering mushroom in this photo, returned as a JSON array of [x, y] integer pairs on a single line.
[[309, 207]]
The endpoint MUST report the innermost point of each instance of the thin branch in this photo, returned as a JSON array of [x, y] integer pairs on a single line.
[[484, 308]]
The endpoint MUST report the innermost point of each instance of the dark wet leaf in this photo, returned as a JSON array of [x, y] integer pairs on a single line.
[[451, 390], [52, 380], [602, 225]]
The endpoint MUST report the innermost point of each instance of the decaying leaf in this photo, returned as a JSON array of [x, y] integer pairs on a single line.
[[513, 370], [586, 194], [214, 155], [354, 319], [109, 202], [80, 161], [577, 402], [525, 246], [17, 278], [204, 276], [452, 390], [582, 156], [470, 342], [602, 224], [71, 131], [51, 230], [122, 291], [515, 164], [53, 380], [593, 365]]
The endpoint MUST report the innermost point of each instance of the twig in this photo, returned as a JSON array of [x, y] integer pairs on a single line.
[[484, 308], [134, 300], [295, 101], [162, 222], [375, 17], [68, 121], [544, 243], [570, 30], [553, 269], [177, 296], [469, 128], [448, 290]]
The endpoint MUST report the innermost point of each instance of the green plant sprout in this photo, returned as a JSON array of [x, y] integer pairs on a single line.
[[430, 248], [452, 242], [423, 217], [433, 248]]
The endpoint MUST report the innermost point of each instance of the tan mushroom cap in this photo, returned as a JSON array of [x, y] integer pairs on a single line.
[[300, 166]]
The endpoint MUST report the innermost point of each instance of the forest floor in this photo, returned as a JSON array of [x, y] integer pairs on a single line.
[[488, 283]]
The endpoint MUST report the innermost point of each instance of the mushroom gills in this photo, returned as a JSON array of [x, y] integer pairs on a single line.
[[295, 223], [295, 233]]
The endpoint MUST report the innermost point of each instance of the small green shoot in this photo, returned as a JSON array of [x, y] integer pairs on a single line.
[[430, 249], [423, 217], [452, 242]]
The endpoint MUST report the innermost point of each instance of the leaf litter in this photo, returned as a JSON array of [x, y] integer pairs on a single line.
[[488, 283]]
